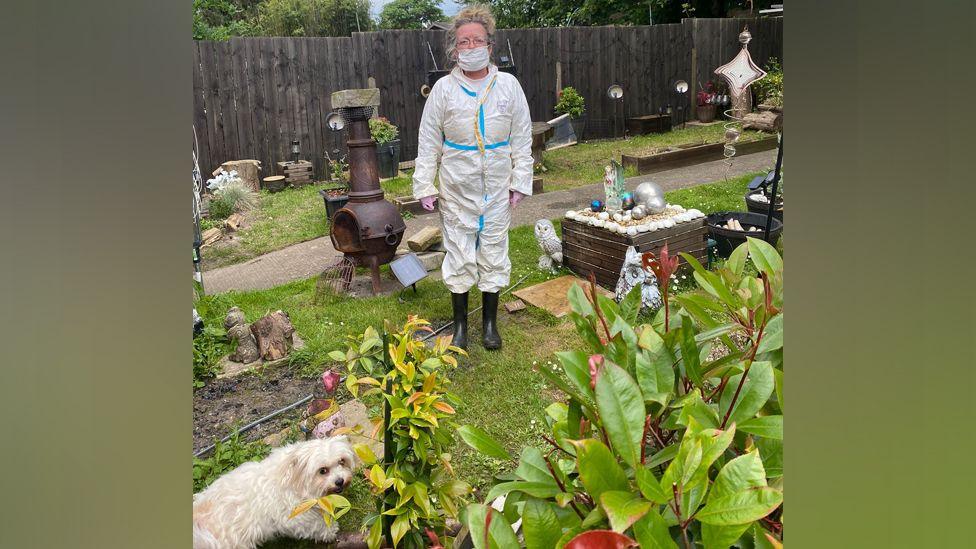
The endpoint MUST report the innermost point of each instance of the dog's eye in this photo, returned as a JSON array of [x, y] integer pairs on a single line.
[[323, 471]]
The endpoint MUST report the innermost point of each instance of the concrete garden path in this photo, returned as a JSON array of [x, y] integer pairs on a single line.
[[310, 258]]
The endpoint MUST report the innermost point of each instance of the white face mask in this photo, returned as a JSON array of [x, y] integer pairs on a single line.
[[473, 59]]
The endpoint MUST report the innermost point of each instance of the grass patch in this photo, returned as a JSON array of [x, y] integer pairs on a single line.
[[583, 164]]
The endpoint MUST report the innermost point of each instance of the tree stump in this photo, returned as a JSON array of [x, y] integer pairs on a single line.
[[273, 335], [247, 170], [767, 121], [425, 238]]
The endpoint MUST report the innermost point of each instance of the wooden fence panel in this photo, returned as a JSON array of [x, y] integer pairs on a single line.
[[252, 96]]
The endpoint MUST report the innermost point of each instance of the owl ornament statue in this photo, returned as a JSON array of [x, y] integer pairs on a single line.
[[549, 243], [633, 274]]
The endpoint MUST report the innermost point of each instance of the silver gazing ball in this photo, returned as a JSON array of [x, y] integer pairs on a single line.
[[639, 212], [651, 197]]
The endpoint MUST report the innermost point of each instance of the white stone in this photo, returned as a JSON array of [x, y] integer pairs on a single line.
[[643, 228], [599, 223], [632, 231], [617, 217], [603, 216], [570, 214]]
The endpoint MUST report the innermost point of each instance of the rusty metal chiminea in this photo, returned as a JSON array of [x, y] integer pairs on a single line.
[[367, 229]]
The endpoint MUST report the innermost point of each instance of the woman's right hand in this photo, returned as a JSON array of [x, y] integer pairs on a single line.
[[428, 202]]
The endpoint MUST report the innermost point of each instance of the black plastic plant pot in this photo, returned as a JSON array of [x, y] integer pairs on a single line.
[[388, 159], [334, 203], [729, 239], [758, 207]]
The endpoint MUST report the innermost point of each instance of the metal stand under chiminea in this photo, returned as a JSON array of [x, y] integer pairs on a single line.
[[368, 229]]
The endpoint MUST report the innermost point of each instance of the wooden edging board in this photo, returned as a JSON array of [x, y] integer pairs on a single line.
[[694, 155]]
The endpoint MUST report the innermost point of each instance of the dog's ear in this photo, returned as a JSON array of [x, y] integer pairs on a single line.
[[293, 467]]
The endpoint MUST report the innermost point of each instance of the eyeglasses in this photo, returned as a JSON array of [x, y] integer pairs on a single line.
[[469, 43]]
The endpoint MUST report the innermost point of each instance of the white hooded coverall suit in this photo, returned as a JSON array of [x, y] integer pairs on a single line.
[[476, 172]]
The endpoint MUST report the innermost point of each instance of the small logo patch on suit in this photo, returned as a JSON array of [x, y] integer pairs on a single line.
[[503, 105]]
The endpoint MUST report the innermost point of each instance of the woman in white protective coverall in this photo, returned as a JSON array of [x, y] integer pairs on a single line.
[[476, 126]]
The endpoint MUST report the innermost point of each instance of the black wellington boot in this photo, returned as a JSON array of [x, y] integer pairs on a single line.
[[460, 303], [489, 314]]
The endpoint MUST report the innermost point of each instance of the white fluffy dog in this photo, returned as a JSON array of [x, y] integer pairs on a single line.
[[251, 504]]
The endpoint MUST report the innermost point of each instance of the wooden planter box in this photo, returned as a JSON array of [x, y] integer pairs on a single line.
[[652, 123], [595, 249], [693, 155]]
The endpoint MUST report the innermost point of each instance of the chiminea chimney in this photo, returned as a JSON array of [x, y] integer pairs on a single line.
[[368, 229]]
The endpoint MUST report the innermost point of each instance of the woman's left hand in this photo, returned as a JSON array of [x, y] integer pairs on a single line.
[[514, 197]]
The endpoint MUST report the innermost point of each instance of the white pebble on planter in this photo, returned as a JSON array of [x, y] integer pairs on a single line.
[[632, 231], [603, 216], [599, 223], [643, 228], [570, 214], [617, 217]]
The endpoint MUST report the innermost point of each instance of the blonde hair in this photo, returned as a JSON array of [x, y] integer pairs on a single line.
[[474, 13]]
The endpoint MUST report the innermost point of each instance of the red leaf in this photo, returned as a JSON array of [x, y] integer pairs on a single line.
[[596, 362], [487, 525], [330, 380], [601, 539], [435, 542]]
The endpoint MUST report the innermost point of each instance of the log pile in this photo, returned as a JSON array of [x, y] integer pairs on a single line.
[[768, 119]]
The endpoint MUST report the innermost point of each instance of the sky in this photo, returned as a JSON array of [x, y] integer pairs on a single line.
[[449, 7]]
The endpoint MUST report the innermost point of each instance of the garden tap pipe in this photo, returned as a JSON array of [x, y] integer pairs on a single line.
[[255, 423], [772, 199], [478, 308]]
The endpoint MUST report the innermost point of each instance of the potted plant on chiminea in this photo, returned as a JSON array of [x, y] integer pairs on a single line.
[[336, 193], [572, 103], [385, 134], [707, 106]]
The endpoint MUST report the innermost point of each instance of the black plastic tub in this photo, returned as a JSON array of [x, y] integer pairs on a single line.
[[755, 206], [334, 203], [727, 239], [388, 159]]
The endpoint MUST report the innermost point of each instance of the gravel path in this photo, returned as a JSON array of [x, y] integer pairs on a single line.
[[306, 259]]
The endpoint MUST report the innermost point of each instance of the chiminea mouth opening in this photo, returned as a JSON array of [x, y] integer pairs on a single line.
[[345, 232]]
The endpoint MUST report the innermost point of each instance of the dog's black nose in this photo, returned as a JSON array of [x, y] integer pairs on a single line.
[[339, 482]]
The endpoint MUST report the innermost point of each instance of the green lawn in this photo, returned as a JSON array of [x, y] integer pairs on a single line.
[[583, 164], [531, 338]]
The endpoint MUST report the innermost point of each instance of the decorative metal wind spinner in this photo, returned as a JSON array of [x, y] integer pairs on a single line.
[[740, 73]]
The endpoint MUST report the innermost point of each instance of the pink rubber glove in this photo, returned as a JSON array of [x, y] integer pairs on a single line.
[[428, 202], [514, 197]]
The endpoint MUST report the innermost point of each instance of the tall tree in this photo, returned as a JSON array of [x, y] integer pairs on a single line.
[[410, 14], [313, 17]]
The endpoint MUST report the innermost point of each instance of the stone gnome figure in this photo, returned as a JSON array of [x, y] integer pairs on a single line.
[[240, 333]]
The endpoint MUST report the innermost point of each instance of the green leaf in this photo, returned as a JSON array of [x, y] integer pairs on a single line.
[[532, 467], [500, 534], [621, 407], [480, 441], [741, 507], [742, 473], [717, 331], [778, 378], [771, 451], [702, 412], [772, 336], [574, 413], [753, 396], [559, 382], [576, 364], [737, 259], [630, 305], [689, 351], [662, 456], [651, 532], [692, 459], [536, 489], [598, 469], [764, 255], [761, 538], [540, 525], [721, 537], [655, 368], [623, 509], [650, 486], [764, 426], [595, 518], [401, 525], [578, 301], [337, 356]]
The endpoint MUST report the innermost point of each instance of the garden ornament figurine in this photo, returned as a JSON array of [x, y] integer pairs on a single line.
[[552, 247], [632, 274], [476, 136]]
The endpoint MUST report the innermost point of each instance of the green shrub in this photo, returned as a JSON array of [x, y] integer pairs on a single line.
[[570, 102], [225, 457], [769, 90], [418, 486], [208, 348], [656, 439], [382, 130], [219, 209]]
